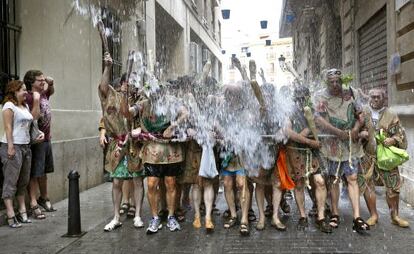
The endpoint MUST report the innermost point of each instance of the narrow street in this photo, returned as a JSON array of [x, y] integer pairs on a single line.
[[45, 236]]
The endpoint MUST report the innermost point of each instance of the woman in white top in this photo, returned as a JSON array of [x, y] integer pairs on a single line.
[[15, 151]]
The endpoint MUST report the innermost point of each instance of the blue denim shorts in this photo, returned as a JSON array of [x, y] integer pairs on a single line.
[[239, 172], [344, 169]]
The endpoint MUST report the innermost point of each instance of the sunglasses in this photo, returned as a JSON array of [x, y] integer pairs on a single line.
[[334, 72]]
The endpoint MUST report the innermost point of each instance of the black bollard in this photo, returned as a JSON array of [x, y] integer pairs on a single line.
[[74, 217]]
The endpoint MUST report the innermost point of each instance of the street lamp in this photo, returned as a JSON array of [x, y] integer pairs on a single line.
[[287, 67]]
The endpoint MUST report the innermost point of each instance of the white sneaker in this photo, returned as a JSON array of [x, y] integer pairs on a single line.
[[138, 223], [112, 225]]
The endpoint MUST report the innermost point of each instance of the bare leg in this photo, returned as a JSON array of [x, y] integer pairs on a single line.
[[8, 202], [334, 190], [241, 182], [208, 197], [196, 196], [277, 197], [229, 194], [125, 191], [153, 193], [393, 203], [300, 198], [320, 195], [138, 194], [43, 187], [116, 196], [260, 195], [33, 189], [171, 194], [353, 192], [371, 201]]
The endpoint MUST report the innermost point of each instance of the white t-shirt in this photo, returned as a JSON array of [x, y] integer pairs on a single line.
[[22, 119]]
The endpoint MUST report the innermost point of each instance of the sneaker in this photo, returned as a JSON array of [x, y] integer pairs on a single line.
[[112, 225], [154, 226], [138, 223], [173, 224]]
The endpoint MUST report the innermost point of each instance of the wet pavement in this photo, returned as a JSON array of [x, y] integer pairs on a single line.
[[45, 236]]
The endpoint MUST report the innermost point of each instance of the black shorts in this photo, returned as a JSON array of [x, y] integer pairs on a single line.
[[42, 159], [162, 170]]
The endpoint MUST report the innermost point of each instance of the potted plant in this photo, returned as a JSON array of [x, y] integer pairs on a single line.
[[263, 24], [225, 13]]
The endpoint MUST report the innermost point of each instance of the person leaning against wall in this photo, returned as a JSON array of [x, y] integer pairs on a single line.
[[15, 151], [42, 157]]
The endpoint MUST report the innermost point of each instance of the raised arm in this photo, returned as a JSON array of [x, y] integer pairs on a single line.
[[50, 86], [104, 85]]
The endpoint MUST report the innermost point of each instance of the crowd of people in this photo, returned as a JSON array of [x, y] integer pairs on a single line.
[[329, 139], [25, 148]]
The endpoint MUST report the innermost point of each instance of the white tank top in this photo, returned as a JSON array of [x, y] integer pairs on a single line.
[[22, 119]]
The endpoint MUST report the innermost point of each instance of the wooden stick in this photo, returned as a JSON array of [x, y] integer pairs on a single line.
[[311, 123], [101, 29]]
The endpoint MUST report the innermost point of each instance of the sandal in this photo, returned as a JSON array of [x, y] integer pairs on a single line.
[[23, 218], [45, 203], [260, 226], [230, 222], [278, 226], [180, 215], [360, 226], [244, 229], [323, 226], [37, 213], [334, 221], [209, 226], [124, 208], [112, 225], [226, 213], [131, 211], [302, 224], [13, 222], [251, 215]]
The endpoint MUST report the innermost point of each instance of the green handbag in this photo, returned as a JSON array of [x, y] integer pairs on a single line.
[[390, 157]]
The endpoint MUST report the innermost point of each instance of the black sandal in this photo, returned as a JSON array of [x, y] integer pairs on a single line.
[[45, 203], [230, 222], [244, 229], [360, 226], [13, 222], [251, 215], [131, 211], [37, 213], [226, 213], [334, 221], [180, 215], [20, 218], [124, 208], [302, 224], [323, 226]]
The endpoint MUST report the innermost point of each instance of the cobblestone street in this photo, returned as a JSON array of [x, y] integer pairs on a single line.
[[45, 236]]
